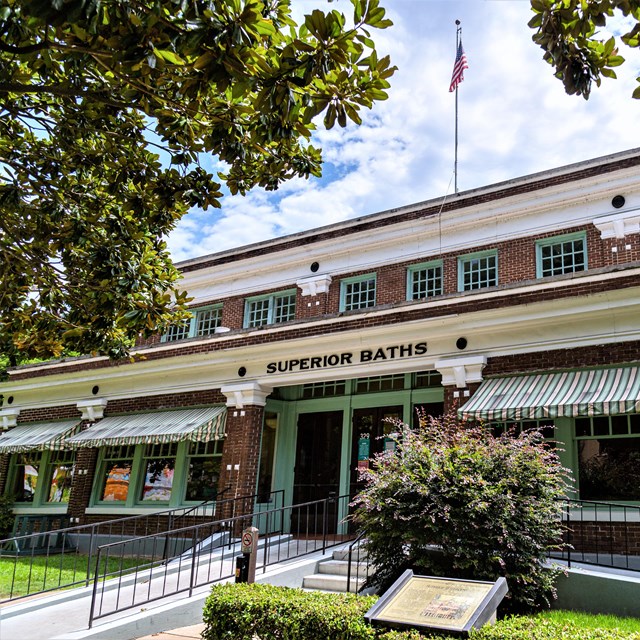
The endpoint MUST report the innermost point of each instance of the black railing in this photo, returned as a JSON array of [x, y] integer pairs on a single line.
[[601, 533], [66, 557], [142, 575], [358, 556]]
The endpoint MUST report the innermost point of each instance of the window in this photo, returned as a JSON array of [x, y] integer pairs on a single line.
[[272, 309], [323, 389], [608, 457], [159, 465], [115, 476], [41, 478], [374, 384], [358, 293], [202, 323], [556, 256], [424, 281], [203, 470], [477, 271]]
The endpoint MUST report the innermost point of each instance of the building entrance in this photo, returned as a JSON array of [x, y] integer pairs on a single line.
[[371, 428], [317, 467]]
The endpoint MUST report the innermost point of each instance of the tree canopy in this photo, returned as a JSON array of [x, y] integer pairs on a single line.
[[567, 31], [107, 108]]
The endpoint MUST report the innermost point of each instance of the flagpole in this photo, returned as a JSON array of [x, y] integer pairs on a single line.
[[455, 161]]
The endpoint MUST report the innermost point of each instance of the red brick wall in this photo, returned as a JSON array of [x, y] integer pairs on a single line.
[[605, 537], [4, 470], [82, 483], [242, 447], [168, 401]]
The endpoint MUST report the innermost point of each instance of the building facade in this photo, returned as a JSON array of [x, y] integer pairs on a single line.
[[517, 302]]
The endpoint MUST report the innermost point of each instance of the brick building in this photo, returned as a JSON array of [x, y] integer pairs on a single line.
[[515, 302]]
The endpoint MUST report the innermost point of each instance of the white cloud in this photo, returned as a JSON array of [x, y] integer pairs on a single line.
[[514, 119]]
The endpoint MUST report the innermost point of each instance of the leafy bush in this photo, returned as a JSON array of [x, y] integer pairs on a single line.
[[454, 500], [265, 612], [244, 612], [6, 516]]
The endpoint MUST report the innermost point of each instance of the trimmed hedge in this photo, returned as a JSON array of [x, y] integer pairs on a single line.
[[265, 612]]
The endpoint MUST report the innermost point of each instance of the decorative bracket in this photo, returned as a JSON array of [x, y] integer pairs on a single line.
[[93, 409], [461, 371], [246, 393], [618, 225], [313, 285], [9, 417]]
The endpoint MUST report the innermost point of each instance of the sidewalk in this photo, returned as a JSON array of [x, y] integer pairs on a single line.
[[192, 632]]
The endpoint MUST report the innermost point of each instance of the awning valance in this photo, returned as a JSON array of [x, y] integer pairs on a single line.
[[197, 425], [37, 436], [595, 392]]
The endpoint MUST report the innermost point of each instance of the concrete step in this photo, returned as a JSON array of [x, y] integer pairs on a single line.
[[341, 568], [357, 554], [327, 582]]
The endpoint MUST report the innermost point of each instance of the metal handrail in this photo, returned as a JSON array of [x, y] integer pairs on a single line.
[[310, 527], [598, 533], [61, 546], [359, 537]]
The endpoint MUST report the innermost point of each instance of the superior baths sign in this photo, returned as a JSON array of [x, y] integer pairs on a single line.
[[348, 357]]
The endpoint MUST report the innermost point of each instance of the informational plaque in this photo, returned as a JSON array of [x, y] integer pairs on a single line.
[[438, 604]]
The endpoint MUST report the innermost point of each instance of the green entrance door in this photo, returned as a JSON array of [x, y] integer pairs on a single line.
[[317, 468], [370, 428]]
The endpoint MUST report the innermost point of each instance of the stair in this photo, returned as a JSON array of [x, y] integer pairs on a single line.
[[331, 575]]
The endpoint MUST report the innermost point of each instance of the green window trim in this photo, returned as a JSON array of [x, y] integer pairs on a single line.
[[203, 322], [358, 292], [425, 280], [478, 270], [273, 308], [560, 255], [50, 480], [137, 459]]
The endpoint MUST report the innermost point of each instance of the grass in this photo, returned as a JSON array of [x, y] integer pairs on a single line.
[[22, 576], [590, 621]]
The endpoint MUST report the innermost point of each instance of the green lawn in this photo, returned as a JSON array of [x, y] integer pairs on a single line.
[[589, 621], [22, 576]]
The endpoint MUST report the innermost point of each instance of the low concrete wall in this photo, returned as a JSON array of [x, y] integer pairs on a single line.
[[585, 590]]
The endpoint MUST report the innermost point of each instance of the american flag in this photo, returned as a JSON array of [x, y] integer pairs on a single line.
[[458, 68]]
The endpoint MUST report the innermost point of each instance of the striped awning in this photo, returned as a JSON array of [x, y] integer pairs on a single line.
[[595, 392], [197, 425], [37, 436]]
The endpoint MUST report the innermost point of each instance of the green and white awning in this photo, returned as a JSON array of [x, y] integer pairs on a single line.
[[595, 392], [37, 436], [197, 425]]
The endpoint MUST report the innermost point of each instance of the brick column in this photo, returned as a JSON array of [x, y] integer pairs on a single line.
[[4, 471], [82, 483], [245, 417]]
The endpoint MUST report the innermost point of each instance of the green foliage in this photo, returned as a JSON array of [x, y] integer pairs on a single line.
[[244, 612], [456, 501], [6, 516], [107, 108], [568, 32], [249, 612]]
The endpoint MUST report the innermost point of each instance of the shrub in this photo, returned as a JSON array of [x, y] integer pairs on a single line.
[[6, 516], [244, 612], [453, 500]]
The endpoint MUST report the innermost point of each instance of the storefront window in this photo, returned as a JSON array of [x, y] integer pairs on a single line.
[[26, 476], [204, 470], [159, 465], [116, 474], [61, 474]]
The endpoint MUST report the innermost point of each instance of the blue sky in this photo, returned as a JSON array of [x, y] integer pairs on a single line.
[[514, 119]]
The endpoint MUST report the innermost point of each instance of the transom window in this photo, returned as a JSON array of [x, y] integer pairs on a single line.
[[392, 382], [477, 271], [272, 309], [203, 323], [557, 256], [358, 293], [424, 281]]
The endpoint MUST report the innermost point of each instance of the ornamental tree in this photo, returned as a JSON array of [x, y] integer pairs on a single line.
[[454, 500], [107, 108], [568, 32]]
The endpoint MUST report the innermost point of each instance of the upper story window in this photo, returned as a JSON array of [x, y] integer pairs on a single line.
[[559, 255], [478, 270], [271, 309], [203, 323], [358, 292], [424, 280]]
